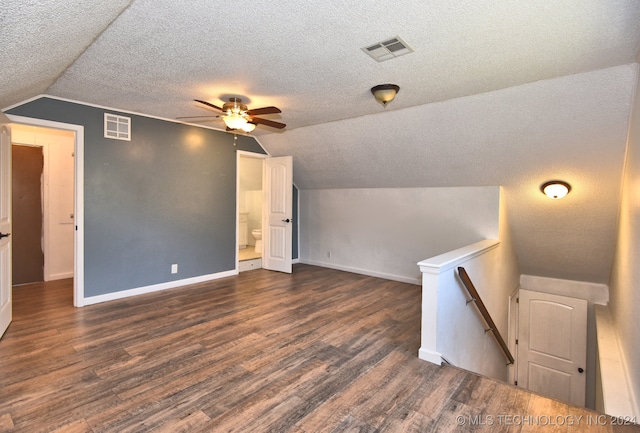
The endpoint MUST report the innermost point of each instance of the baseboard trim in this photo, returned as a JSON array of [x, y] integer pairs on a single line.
[[430, 356], [60, 276], [370, 273], [156, 287]]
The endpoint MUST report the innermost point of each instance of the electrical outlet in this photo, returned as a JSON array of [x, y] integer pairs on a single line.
[[174, 268]]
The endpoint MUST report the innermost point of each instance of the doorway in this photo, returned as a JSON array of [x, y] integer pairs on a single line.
[[27, 231], [552, 345], [276, 222], [250, 210], [65, 196], [51, 197]]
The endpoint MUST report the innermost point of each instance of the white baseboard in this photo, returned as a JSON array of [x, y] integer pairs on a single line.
[[59, 276], [156, 287], [430, 356], [368, 272]]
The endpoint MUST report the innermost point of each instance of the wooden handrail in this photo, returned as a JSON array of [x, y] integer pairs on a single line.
[[475, 297]]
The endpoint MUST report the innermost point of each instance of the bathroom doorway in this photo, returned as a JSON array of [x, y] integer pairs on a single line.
[[250, 210], [43, 203], [68, 210]]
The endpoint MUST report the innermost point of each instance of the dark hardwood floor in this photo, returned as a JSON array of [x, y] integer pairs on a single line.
[[316, 351]]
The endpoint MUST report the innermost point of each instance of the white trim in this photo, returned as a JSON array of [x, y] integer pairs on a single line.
[[26, 101], [60, 276], [430, 356], [370, 273], [593, 292], [267, 155], [103, 107], [616, 398], [46, 196], [446, 261], [512, 335], [297, 224], [295, 261], [78, 260], [158, 287]]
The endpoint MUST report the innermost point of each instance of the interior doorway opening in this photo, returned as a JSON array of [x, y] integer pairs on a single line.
[[43, 204], [27, 163], [65, 196], [250, 203]]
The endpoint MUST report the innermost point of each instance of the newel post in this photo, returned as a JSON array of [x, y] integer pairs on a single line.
[[429, 329]]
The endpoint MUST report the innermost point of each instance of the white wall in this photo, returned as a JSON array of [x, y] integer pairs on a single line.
[[385, 231], [453, 329], [624, 286], [58, 192]]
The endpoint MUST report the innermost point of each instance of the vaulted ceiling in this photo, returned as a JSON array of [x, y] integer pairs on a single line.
[[494, 93]]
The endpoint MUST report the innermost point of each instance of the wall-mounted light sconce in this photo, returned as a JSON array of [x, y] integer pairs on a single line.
[[384, 93], [555, 189]]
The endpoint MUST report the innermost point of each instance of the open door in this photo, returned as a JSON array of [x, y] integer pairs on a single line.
[[552, 346], [5, 227], [277, 233]]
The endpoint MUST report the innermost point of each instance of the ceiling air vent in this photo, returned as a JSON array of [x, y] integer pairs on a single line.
[[386, 50]]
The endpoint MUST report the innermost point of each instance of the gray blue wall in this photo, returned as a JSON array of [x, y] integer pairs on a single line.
[[167, 196]]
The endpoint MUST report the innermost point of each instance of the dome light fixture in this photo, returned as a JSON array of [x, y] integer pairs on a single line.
[[555, 189], [234, 120], [384, 93], [248, 127], [236, 116]]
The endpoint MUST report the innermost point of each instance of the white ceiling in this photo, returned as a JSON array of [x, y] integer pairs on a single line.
[[496, 93]]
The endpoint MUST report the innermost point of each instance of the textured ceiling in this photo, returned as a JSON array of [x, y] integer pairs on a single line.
[[495, 93]]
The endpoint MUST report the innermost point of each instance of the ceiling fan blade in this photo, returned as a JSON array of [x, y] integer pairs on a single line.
[[264, 110], [266, 122], [209, 104]]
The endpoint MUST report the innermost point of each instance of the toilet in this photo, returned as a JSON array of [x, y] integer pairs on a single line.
[[257, 235]]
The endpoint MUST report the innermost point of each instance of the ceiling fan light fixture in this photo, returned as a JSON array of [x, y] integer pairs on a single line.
[[555, 189], [234, 121], [248, 127], [237, 116], [385, 93]]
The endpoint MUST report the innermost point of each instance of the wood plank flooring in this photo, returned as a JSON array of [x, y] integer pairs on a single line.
[[316, 351]]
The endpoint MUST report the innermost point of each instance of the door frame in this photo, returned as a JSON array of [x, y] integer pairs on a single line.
[[78, 163], [246, 154]]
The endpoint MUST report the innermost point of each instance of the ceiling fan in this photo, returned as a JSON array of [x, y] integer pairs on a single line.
[[237, 116]]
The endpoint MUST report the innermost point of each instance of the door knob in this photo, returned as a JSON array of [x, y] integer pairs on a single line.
[[580, 370], [4, 235], [287, 220]]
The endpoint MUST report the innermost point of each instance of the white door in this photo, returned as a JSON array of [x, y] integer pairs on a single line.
[[552, 346], [5, 227], [277, 233]]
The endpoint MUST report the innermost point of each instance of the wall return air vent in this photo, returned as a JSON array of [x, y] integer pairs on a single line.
[[117, 127], [388, 49]]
